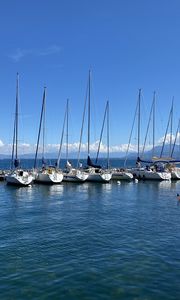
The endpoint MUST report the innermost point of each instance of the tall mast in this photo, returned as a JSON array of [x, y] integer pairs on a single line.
[[15, 133], [171, 127], [102, 129], [12, 157], [89, 111], [139, 120], [62, 136], [44, 121], [150, 115], [82, 126], [40, 124], [154, 100], [130, 137], [177, 131], [16, 116], [67, 129], [170, 116], [107, 134]]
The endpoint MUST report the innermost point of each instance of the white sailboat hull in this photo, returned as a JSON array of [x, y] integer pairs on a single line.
[[48, 177], [175, 174], [76, 176], [99, 177], [142, 173], [19, 178], [121, 175]]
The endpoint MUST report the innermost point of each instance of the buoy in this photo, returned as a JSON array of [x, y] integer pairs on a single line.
[[136, 180], [178, 197], [118, 182]]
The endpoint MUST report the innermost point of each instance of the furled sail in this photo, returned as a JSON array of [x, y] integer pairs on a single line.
[[90, 163]]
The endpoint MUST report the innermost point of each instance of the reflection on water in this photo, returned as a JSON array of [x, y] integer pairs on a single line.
[[90, 241], [20, 193], [24, 193], [158, 185], [89, 190], [54, 190], [91, 187], [166, 184]]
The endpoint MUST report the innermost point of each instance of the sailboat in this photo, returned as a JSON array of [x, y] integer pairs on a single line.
[[95, 172], [121, 174], [152, 171], [17, 176], [47, 174], [117, 174], [175, 171], [70, 174], [170, 162]]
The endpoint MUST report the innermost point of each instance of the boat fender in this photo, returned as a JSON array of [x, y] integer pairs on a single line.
[[49, 171]]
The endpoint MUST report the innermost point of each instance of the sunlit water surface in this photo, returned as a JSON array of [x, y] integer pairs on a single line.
[[90, 241]]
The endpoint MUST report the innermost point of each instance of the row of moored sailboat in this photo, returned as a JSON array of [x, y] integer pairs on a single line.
[[92, 172], [51, 175]]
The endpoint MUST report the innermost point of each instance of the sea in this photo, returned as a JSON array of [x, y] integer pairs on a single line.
[[90, 241]]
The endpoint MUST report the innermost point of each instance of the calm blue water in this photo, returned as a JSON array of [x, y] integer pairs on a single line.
[[90, 241], [5, 164]]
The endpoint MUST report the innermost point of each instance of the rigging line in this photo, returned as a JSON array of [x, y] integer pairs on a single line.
[[139, 120], [130, 137], [177, 131], [44, 120], [67, 129], [94, 112], [171, 126], [89, 112], [150, 115], [16, 127], [102, 129], [162, 149], [62, 136], [14, 133], [154, 124], [82, 126], [40, 124], [108, 135]]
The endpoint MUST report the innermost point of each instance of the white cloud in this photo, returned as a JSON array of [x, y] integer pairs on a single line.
[[50, 50], [168, 138], [25, 145], [26, 148], [74, 147], [21, 53], [1, 143]]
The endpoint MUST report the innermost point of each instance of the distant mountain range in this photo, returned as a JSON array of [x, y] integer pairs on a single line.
[[166, 152], [72, 155], [131, 155]]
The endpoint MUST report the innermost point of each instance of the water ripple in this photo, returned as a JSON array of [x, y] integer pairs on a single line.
[[90, 241]]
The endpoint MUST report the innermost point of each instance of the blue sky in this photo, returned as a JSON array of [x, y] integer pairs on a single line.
[[128, 44]]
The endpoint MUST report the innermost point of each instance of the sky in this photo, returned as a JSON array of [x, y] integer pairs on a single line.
[[127, 45]]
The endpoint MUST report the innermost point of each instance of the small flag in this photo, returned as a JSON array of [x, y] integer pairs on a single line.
[[68, 164]]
